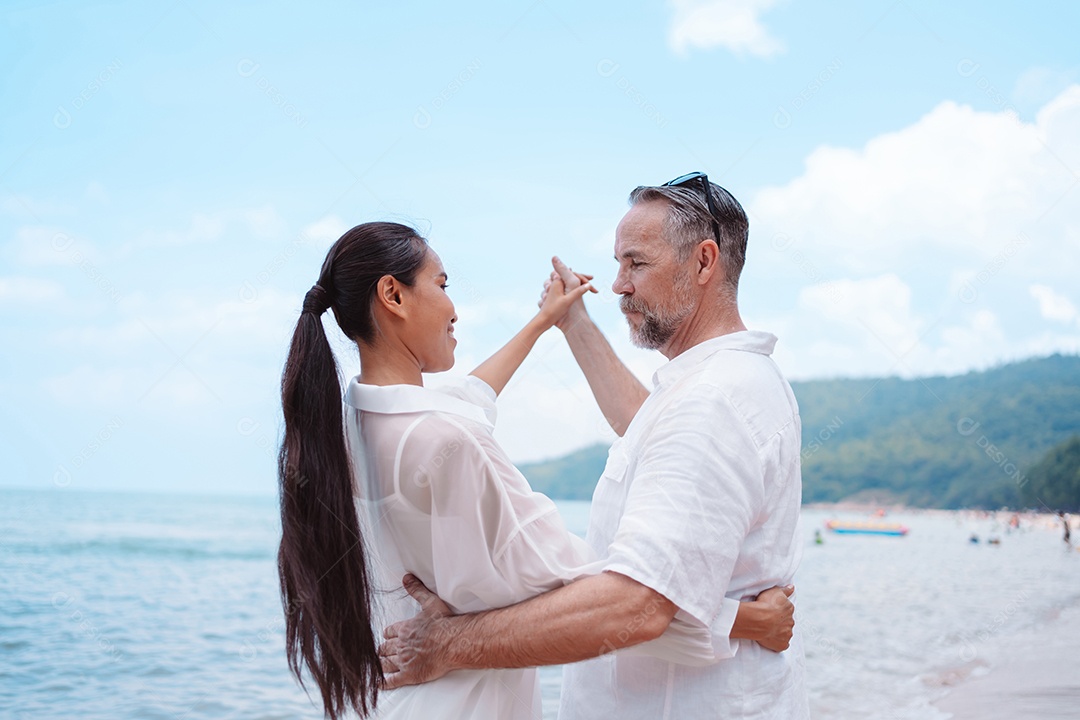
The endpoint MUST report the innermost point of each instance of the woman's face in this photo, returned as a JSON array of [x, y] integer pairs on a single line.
[[430, 328]]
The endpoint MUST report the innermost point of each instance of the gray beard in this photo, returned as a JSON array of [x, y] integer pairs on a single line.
[[654, 331], [658, 325]]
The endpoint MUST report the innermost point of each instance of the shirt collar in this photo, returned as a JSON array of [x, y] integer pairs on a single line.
[[745, 340], [402, 399]]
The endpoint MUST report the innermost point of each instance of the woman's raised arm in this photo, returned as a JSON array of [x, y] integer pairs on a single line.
[[497, 370]]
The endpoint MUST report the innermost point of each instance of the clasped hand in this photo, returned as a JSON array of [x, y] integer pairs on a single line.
[[560, 299]]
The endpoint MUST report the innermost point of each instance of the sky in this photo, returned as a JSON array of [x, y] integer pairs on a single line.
[[171, 176]]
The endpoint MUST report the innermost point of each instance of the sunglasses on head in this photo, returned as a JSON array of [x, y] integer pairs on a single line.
[[689, 178]]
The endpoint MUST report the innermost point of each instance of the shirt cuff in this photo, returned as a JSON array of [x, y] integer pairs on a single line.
[[720, 626], [483, 394], [724, 646]]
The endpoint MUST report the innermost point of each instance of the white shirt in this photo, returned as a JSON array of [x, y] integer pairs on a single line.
[[437, 497], [700, 500]]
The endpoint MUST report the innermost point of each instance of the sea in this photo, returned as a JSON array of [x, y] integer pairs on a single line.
[[128, 606]]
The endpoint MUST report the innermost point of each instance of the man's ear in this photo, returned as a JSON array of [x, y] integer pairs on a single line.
[[706, 261], [388, 295]]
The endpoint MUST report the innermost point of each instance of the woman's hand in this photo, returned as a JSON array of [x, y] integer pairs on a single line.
[[768, 620], [497, 370], [562, 295]]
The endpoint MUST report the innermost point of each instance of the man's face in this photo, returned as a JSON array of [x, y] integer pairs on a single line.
[[657, 291]]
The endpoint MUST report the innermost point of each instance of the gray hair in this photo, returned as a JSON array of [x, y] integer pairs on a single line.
[[688, 223]]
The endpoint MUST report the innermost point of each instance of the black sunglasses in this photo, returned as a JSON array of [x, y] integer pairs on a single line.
[[706, 189]]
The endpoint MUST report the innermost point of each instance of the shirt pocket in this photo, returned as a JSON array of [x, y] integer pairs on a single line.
[[617, 462]]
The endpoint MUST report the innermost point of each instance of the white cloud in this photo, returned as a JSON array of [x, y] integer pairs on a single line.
[[868, 327], [261, 223], [1053, 306], [38, 245], [24, 206], [1038, 84], [879, 307], [732, 24], [935, 237], [856, 327], [202, 228], [957, 181], [182, 351], [977, 343], [22, 292], [96, 193], [1047, 343], [99, 387], [324, 231]]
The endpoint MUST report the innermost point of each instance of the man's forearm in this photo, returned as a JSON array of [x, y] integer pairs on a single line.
[[617, 391], [587, 618], [582, 620]]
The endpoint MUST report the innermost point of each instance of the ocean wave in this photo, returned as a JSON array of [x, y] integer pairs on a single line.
[[135, 546]]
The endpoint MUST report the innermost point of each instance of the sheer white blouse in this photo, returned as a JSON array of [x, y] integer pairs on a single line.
[[438, 497]]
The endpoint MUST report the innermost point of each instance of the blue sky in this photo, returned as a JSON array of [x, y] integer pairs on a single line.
[[171, 177]]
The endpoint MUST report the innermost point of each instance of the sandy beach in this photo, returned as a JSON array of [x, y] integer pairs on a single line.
[[1039, 676]]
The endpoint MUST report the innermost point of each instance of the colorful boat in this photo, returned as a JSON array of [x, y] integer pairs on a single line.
[[866, 527]]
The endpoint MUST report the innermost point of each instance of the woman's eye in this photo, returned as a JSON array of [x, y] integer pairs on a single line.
[[445, 285]]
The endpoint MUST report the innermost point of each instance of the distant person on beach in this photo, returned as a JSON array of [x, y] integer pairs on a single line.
[[698, 504], [1065, 523], [414, 481]]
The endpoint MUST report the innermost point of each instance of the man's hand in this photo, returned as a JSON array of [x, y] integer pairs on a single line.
[[557, 299], [415, 650], [769, 620], [570, 281]]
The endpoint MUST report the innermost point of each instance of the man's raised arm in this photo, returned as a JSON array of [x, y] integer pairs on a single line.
[[617, 391]]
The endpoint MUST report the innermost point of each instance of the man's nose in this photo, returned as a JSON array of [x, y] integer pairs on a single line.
[[621, 286]]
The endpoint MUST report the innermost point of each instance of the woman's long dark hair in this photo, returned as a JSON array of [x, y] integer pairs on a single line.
[[325, 586]]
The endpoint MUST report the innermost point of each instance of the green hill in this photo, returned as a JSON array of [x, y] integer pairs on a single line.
[[571, 477], [963, 441], [1054, 481]]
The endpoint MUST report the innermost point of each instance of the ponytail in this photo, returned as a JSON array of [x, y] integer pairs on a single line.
[[326, 589]]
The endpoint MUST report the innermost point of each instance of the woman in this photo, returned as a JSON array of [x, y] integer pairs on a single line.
[[414, 481]]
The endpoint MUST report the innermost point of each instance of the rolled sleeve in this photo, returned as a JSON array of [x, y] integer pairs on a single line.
[[696, 491], [474, 390]]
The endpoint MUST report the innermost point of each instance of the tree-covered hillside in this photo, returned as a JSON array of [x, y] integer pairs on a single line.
[[1054, 482], [964, 441]]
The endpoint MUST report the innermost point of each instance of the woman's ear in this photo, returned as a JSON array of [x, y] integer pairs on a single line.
[[388, 295]]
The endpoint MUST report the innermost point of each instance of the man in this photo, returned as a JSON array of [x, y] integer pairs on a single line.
[[697, 507]]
